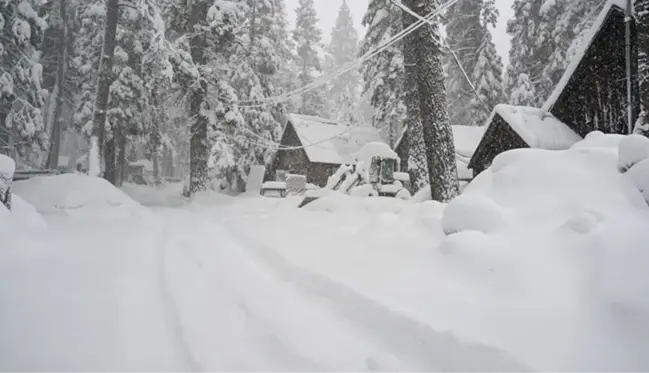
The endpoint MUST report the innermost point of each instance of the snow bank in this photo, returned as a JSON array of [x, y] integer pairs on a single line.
[[20, 229], [336, 202], [165, 195], [74, 193], [549, 187], [25, 215], [554, 244]]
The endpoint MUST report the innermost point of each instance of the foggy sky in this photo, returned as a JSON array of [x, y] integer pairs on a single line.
[[328, 10]]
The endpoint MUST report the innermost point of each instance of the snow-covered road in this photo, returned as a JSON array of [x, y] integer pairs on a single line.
[[178, 289]]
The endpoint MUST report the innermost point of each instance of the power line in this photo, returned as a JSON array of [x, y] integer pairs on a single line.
[[447, 46], [341, 71]]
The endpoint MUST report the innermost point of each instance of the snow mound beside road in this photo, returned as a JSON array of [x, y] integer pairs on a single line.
[[568, 258], [74, 193]]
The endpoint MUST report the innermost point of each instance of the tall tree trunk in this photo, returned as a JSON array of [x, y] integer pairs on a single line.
[[423, 48], [110, 160], [155, 140], [54, 115], [103, 88], [417, 166], [198, 143], [121, 157]]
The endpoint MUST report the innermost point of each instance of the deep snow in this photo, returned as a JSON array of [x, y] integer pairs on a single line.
[[543, 268]]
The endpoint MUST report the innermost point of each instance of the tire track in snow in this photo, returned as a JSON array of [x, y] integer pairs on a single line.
[[169, 304], [243, 321], [406, 338]]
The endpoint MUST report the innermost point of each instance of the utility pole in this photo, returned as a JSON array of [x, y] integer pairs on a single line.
[[631, 66]]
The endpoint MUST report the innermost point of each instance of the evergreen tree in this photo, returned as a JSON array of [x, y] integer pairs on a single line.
[[532, 44], [424, 50], [253, 80], [470, 39], [642, 24], [286, 79], [545, 35], [206, 33], [57, 47], [383, 75], [343, 48], [21, 94], [307, 37]]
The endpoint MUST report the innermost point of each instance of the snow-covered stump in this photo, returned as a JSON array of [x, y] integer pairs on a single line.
[[7, 168]]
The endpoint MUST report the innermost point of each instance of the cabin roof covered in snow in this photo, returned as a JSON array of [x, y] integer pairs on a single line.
[[465, 138], [586, 42], [537, 127], [325, 141]]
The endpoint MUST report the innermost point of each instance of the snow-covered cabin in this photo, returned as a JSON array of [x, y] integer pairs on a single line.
[[592, 93], [466, 140], [513, 127], [316, 147]]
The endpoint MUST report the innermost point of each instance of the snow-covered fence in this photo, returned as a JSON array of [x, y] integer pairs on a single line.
[[295, 184], [7, 167]]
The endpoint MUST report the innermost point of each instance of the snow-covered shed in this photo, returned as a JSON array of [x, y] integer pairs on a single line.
[[316, 147], [592, 93], [513, 127], [466, 140]]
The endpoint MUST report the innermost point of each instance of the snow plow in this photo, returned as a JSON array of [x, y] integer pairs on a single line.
[[375, 174]]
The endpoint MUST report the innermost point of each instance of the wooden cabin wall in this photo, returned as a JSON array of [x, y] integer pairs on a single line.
[[294, 161], [595, 97], [499, 138], [319, 173]]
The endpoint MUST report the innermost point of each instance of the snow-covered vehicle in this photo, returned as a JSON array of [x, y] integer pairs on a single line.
[[376, 173]]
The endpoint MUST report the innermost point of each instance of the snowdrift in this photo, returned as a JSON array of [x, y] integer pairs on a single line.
[[20, 231], [552, 247], [70, 193]]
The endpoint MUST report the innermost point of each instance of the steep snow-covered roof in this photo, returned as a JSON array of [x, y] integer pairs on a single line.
[[466, 139], [325, 141], [537, 127], [587, 41]]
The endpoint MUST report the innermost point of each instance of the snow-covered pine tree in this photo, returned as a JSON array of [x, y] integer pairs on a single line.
[[383, 75], [253, 79], [531, 46], [89, 23], [286, 79], [57, 47], [205, 33], [424, 49], [344, 91], [391, 94], [545, 35], [307, 37], [102, 95], [571, 21], [21, 92], [469, 36], [129, 108]]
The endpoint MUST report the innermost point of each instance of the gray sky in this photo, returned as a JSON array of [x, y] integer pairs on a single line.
[[328, 10]]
